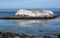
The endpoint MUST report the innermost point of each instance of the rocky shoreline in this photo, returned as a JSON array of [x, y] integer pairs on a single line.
[[14, 35]]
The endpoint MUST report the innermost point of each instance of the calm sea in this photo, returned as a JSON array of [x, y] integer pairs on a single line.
[[30, 27]]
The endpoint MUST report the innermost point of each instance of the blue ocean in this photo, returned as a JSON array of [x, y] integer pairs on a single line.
[[30, 27]]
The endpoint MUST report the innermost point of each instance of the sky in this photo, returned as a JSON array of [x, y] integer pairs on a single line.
[[16, 4]]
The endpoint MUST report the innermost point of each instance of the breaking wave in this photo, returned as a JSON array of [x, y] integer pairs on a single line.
[[34, 13]]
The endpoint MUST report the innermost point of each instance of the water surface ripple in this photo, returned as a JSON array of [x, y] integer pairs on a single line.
[[31, 27]]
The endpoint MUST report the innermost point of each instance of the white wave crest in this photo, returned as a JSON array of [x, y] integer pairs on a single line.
[[34, 13]]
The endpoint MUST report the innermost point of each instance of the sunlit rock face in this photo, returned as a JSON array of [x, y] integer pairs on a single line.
[[34, 13]]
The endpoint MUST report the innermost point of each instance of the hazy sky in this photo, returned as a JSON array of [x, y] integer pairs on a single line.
[[8, 4]]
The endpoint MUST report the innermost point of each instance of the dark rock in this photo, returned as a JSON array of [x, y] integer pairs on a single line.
[[59, 36], [46, 36], [1, 36]]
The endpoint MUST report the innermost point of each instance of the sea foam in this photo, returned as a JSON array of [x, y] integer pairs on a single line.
[[34, 13]]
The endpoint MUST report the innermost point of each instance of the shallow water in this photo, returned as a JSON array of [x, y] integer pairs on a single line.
[[31, 27]]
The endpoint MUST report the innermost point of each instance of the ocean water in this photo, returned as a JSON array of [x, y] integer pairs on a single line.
[[30, 27]]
